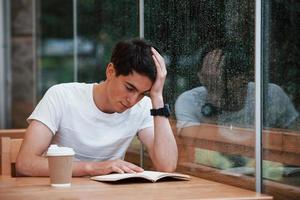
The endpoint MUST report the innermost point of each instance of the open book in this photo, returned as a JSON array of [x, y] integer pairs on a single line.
[[149, 175]]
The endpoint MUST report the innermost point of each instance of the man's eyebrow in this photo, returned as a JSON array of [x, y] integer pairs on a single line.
[[131, 85]]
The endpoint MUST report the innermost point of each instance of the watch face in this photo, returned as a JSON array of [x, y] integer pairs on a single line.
[[208, 110]]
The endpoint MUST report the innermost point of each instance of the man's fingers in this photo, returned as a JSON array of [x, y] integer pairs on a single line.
[[137, 169], [219, 58], [117, 169], [210, 58], [156, 63], [159, 60], [121, 166], [222, 62], [127, 169], [134, 167], [219, 53], [216, 57], [157, 55]]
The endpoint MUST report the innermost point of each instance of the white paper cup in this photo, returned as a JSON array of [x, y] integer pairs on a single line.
[[60, 160]]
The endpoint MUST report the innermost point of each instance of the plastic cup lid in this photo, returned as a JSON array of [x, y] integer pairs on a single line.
[[55, 150]]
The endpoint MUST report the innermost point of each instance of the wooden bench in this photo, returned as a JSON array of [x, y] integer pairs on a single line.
[[9, 135], [278, 145], [10, 148], [12, 133]]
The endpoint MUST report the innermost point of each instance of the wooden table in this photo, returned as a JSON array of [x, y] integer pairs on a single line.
[[84, 188]]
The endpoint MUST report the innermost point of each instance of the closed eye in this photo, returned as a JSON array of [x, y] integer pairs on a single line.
[[130, 89]]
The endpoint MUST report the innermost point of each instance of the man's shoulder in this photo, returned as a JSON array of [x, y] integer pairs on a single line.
[[198, 93], [272, 89], [65, 92], [69, 87]]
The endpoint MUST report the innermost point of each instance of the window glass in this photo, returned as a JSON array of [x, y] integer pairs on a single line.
[[281, 47], [101, 24], [209, 48], [55, 44]]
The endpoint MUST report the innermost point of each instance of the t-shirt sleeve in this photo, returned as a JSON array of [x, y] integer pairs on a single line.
[[185, 111], [49, 110], [147, 118], [280, 107]]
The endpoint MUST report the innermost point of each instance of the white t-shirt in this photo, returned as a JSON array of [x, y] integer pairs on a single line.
[[71, 114], [279, 111]]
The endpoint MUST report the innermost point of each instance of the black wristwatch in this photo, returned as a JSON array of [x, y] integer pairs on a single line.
[[209, 110], [164, 111]]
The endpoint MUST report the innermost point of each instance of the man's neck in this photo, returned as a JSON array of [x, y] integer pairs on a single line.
[[229, 100], [100, 97], [234, 100]]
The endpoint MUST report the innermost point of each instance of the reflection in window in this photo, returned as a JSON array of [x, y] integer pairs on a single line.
[[209, 49], [281, 101], [281, 60]]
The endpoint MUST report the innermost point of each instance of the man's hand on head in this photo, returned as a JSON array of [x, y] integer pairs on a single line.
[[211, 75], [212, 65], [158, 85]]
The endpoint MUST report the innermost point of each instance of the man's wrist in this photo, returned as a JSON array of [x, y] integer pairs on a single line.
[[157, 102], [163, 111]]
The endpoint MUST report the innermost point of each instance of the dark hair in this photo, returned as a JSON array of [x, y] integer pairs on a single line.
[[134, 55], [237, 60]]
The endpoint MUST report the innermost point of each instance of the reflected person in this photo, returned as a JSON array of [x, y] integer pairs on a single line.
[[227, 94]]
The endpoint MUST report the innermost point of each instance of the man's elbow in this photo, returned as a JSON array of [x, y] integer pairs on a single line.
[[167, 168], [23, 166], [170, 169]]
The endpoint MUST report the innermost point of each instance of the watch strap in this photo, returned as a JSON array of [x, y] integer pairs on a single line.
[[164, 111]]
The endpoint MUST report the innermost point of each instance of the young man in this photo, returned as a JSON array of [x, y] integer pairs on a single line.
[[99, 120]]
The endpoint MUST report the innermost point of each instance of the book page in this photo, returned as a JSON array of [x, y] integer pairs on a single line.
[[115, 177], [154, 175], [150, 175]]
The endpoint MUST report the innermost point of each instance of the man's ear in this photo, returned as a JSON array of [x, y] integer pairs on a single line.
[[110, 71]]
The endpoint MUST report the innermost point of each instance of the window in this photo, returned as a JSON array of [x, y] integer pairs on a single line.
[[281, 72]]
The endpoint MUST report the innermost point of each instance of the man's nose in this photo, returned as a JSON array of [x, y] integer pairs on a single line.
[[132, 98]]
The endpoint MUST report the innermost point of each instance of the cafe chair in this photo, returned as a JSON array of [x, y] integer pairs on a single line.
[[10, 148], [12, 133]]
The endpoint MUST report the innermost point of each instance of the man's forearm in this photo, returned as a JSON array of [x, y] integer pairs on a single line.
[[81, 168], [38, 166], [165, 151], [32, 166]]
